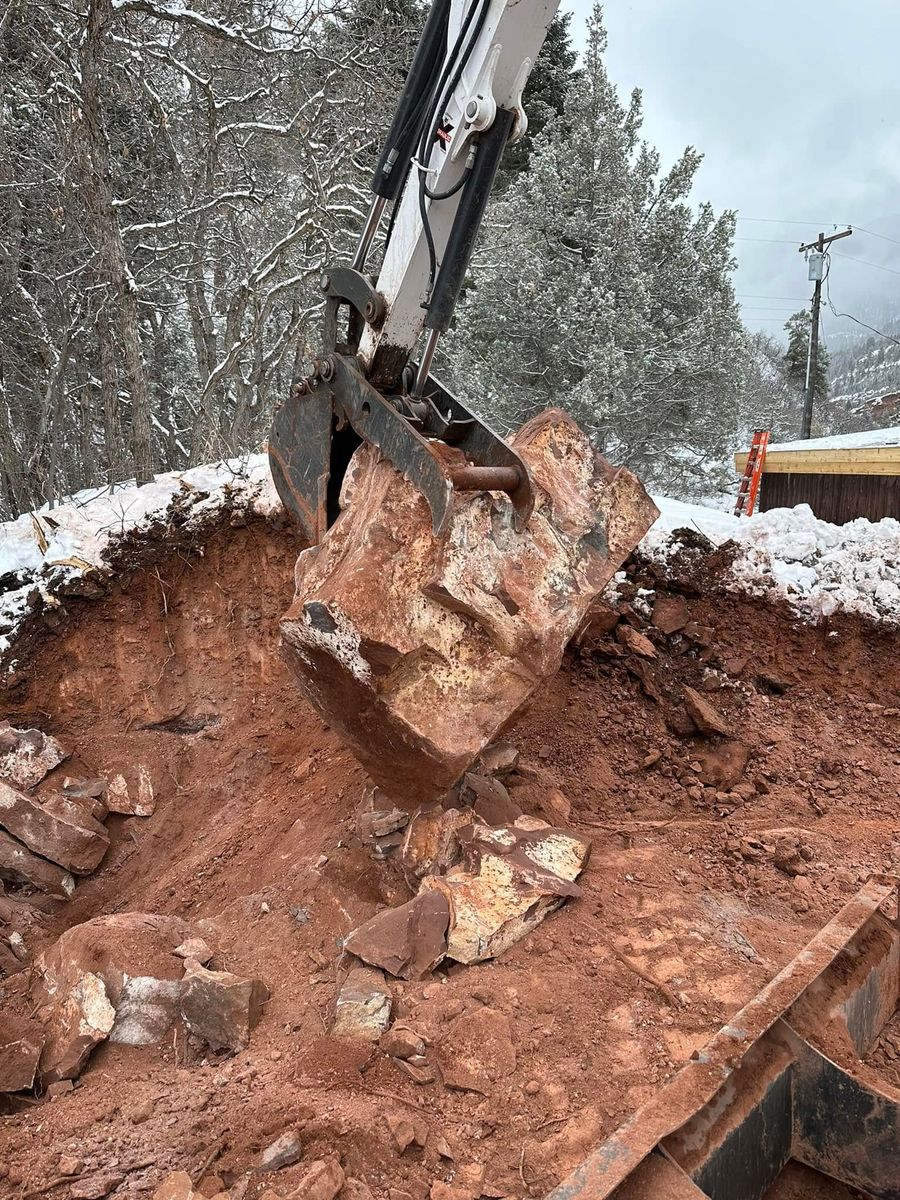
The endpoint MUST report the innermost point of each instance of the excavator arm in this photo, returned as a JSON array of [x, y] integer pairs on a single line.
[[461, 104]]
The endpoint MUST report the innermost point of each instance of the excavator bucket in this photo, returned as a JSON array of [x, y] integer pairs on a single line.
[[417, 646], [791, 1079]]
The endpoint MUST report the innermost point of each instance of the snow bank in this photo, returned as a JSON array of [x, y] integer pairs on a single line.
[[43, 549], [788, 553]]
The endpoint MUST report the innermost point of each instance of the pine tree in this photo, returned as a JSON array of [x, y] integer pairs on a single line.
[[545, 94], [797, 354], [598, 288]]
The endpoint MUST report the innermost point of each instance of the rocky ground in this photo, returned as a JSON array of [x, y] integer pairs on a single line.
[[734, 770]]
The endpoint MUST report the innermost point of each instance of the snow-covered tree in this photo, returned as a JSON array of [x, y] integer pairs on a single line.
[[796, 356], [600, 289]]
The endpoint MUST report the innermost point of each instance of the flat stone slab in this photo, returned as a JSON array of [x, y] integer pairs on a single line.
[[21, 1042], [418, 650], [19, 865], [77, 845]]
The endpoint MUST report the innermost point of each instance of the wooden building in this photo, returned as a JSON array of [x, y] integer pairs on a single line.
[[842, 477]]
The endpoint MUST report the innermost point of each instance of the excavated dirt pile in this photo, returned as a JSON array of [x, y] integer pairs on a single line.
[[184, 1013]]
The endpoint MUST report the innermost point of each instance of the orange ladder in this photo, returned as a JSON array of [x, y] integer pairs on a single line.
[[746, 497]]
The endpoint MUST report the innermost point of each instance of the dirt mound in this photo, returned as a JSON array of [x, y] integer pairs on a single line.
[[714, 859]]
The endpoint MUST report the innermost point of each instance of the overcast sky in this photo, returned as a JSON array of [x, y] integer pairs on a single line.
[[796, 107]]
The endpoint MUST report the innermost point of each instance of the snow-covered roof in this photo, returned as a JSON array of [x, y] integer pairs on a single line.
[[866, 439]]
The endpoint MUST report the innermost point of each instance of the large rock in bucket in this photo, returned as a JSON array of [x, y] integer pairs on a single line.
[[418, 650]]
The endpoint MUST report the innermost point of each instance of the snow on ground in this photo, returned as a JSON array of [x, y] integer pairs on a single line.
[[42, 549], [788, 553]]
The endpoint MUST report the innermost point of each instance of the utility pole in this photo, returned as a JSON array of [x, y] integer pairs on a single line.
[[816, 264]]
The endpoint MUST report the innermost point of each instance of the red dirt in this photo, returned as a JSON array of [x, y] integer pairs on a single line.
[[254, 824]]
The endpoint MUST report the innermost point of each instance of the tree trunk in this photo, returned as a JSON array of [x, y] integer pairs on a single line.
[[109, 236]]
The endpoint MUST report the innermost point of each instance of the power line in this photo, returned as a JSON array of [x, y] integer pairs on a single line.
[[753, 296], [779, 221], [872, 233], [850, 316], [862, 262], [774, 241]]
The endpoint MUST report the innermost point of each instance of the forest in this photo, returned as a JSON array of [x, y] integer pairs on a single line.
[[174, 180]]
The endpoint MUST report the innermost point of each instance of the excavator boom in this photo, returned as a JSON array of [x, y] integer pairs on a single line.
[[461, 104]]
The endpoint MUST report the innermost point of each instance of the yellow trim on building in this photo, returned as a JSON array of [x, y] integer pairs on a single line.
[[879, 460]]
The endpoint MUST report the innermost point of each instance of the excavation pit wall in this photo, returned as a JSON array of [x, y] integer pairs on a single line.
[[691, 897]]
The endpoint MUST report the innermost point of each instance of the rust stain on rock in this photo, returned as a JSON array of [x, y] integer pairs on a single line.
[[418, 650]]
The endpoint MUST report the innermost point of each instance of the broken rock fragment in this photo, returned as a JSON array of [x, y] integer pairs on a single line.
[[670, 614], [406, 1130], [499, 759], [74, 1027], [379, 823], [284, 1151], [637, 643], [27, 755], [431, 842], [87, 812], [509, 879], [21, 1042], [95, 1187], [322, 1181], [176, 1186], [133, 954], [402, 1042], [363, 1007], [724, 765], [132, 797], [220, 1007], [419, 658], [76, 847], [407, 941], [195, 948], [19, 865], [706, 718]]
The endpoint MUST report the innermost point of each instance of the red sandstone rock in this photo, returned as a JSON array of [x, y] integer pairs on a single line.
[[74, 1027], [402, 1042], [705, 717], [478, 1051], [637, 643], [419, 650], [19, 865], [670, 614], [27, 755], [21, 1042], [407, 941], [363, 1008], [723, 766], [220, 1007], [134, 955], [322, 1181], [509, 879], [80, 810], [76, 847], [133, 797]]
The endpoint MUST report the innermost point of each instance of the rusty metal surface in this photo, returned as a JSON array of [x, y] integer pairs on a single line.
[[309, 448], [844, 1128], [300, 457], [697, 1084]]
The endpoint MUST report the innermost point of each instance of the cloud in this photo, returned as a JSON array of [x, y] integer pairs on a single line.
[[793, 104]]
